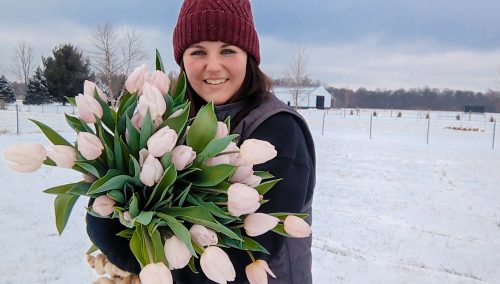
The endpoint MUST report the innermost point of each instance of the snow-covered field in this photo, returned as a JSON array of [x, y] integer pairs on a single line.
[[390, 209]]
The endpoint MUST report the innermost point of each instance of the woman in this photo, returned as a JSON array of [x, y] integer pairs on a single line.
[[216, 45]]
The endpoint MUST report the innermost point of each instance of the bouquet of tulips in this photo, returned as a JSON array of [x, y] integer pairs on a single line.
[[180, 186]]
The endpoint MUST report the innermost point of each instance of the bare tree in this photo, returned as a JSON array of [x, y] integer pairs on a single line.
[[297, 73], [22, 61], [132, 50]]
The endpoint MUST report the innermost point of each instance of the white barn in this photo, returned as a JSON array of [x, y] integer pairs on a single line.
[[309, 97]]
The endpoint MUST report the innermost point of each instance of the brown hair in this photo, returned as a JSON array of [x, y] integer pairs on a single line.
[[254, 91]]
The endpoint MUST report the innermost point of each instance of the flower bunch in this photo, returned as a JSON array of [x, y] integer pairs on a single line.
[[180, 186]]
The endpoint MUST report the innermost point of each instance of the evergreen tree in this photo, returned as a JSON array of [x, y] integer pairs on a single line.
[[65, 72], [6, 91], [38, 92]]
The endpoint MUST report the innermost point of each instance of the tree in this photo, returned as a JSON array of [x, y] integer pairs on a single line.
[[65, 72], [22, 61], [297, 73], [108, 61], [38, 92], [6, 91]]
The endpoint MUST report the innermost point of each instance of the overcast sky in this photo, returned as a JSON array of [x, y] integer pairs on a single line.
[[349, 43]]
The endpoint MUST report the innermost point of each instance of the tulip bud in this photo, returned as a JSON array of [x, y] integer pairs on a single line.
[[242, 173], [136, 79], [222, 130], [162, 141], [151, 171], [25, 157], [252, 181], [182, 156], [89, 178], [216, 265], [234, 157], [89, 145], [160, 81], [137, 120], [143, 154], [218, 160], [89, 89], [296, 227], [257, 272], [152, 100], [203, 236], [64, 156], [176, 252], [256, 151], [156, 273], [256, 224], [242, 199], [88, 108], [103, 205], [176, 113]]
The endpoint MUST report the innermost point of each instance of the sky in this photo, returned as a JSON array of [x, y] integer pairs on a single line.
[[385, 44]]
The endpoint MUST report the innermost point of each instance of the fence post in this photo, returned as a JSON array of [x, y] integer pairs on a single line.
[[428, 128], [371, 123], [17, 119], [494, 132], [323, 128]]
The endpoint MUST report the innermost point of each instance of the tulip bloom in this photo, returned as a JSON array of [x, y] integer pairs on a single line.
[[151, 171], [216, 265], [143, 154], [156, 273], [256, 151], [241, 174], [242, 199], [296, 227], [252, 181], [88, 108], [222, 130], [257, 272], [89, 89], [137, 120], [136, 79], [25, 157], [218, 160], [103, 205], [64, 156], [152, 100], [162, 141], [176, 252], [256, 224], [89, 145], [160, 81], [182, 156], [203, 236]]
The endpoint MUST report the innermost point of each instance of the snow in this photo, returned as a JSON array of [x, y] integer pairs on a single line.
[[390, 209]]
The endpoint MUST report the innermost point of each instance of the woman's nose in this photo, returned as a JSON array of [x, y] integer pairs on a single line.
[[213, 64]]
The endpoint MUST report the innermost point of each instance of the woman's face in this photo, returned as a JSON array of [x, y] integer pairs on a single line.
[[215, 70]]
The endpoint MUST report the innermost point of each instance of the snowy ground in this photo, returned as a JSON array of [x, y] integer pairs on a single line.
[[390, 209]]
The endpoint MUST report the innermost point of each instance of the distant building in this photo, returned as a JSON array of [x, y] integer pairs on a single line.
[[309, 97], [479, 109]]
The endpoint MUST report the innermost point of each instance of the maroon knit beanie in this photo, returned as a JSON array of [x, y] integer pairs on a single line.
[[229, 21]]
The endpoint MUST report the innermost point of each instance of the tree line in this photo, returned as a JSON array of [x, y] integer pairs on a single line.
[[415, 99]]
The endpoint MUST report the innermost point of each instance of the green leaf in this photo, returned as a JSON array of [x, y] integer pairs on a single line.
[[133, 137], [266, 186], [159, 62], [282, 215], [134, 167], [92, 167], [166, 160], [263, 175], [146, 131], [79, 188], [75, 123], [127, 233], [63, 204], [167, 180], [157, 247], [92, 249], [203, 129], [252, 245], [214, 147], [192, 265], [127, 110], [211, 176], [117, 195], [179, 122], [137, 247], [125, 152], [108, 114], [209, 206], [109, 156], [117, 151], [280, 229], [145, 217], [52, 135], [112, 180], [49, 162], [180, 88], [183, 195], [71, 100], [134, 206], [59, 189], [179, 230]]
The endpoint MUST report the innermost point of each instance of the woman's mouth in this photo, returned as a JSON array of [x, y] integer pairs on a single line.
[[215, 82]]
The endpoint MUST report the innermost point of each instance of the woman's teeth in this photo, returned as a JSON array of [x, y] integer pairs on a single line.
[[216, 82]]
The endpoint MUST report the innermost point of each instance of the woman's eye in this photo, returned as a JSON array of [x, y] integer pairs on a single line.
[[197, 52], [227, 51]]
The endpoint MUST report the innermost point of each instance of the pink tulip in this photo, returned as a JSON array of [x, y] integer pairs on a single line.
[[257, 272], [176, 252], [25, 157], [182, 156], [152, 100], [89, 145], [256, 224], [252, 181], [126, 216], [156, 273], [297, 227], [103, 205], [89, 178], [242, 199], [256, 151], [242, 173], [203, 236], [222, 130], [160, 81], [136, 79], [176, 113], [216, 265], [143, 154], [218, 160], [64, 156], [89, 89], [151, 171], [88, 108], [234, 156], [162, 141]]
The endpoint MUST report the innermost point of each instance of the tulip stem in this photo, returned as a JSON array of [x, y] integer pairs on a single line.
[[147, 240], [221, 203], [251, 255], [237, 226]]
